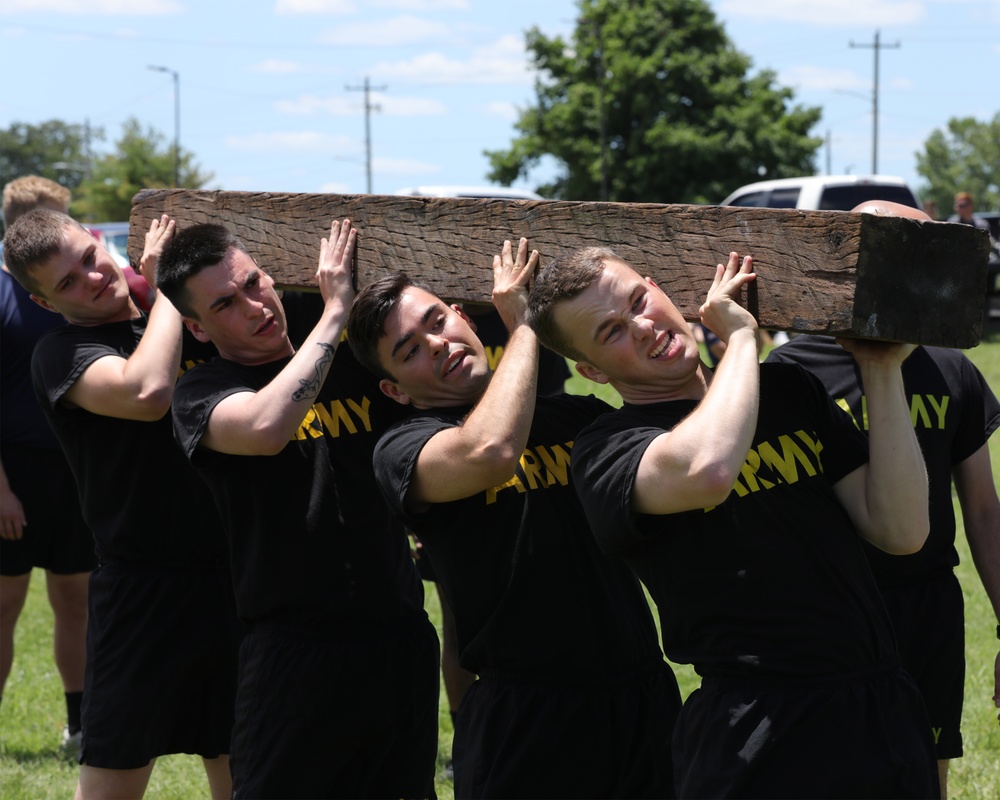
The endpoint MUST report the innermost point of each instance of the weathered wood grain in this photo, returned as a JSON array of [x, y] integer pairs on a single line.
[[828, 272]]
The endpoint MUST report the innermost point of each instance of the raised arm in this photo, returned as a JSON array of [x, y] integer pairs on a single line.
[[485, 449], [141, 386], [262, 423], [887, 499], [696, 464]]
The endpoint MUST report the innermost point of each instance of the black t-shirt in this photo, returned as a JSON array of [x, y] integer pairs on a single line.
[[23, 323], [954, 412], [773, 582], [312, 542], [530, 590], [139, 495]]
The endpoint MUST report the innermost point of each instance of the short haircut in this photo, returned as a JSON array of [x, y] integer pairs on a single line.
[[963, 196], [32, 191], [188, 253], [366, 320], [563, 279], [32, 240]]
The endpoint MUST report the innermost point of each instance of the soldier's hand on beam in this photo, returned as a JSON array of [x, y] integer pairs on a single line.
[[510, 282], [721, 313], [336, 264]]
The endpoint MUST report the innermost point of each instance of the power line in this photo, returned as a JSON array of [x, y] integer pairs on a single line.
[[876, 47], [367, 89]]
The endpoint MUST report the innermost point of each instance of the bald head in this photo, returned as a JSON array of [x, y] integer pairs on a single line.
[[883, 208]]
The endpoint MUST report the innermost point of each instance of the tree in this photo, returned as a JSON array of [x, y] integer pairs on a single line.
[[652, 103], [964, 158], [55, 149], [141, 160]]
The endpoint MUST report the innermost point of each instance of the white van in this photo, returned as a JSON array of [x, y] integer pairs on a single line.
[[823, 192], [501, 192]]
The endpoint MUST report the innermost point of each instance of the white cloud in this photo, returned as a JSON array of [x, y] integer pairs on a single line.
[[505, 111], [854, 13], [422, 5], [342, 7], [386, 33], [285, 142], [502, 63], [314, 7], [129, 8], [335, 187], [404, 167]]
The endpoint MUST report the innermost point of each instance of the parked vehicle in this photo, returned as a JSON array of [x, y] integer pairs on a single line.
[[823, 192]]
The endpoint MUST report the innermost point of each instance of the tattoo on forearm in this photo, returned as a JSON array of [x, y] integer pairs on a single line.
[[308, 389]]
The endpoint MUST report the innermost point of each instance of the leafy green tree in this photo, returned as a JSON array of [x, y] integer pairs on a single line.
[[141, 160], [55, 149], [651, 102], [963, 158]]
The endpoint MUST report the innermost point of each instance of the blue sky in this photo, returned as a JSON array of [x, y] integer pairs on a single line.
[[265, 103]]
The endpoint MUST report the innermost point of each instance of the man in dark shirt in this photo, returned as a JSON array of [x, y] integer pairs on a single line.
[[573, 698], [162, 632], [737, 496], [954, 412], [338, 675]]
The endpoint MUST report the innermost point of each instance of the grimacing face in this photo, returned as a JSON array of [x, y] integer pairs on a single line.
[[238, 310], [432, 350], [630, 333]]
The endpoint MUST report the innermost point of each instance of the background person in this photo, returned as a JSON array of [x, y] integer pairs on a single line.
[[954, 413], [161, 631], [33, 470]]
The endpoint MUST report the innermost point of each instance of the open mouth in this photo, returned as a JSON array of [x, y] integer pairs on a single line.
[[662, 346], [453, 362]]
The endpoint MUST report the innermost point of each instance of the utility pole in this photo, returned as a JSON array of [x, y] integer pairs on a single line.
[[876, 47], [177, 121], [368, 89]]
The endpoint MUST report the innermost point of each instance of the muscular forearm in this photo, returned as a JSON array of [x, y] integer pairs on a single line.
[[261, 423], [896, 481]]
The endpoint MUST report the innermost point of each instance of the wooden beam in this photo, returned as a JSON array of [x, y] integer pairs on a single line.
[[829, 272]]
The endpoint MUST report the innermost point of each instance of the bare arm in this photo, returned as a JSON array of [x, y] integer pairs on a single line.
[[977, 495], [887, 499], [140, 387], [12, 520], [485, 449], [262, 423], [696, 464]]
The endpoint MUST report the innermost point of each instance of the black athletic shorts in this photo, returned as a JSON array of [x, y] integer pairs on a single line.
[[554, 739], [861, 734], [162, 651], [56, 538], [929, 620], [318, 718]]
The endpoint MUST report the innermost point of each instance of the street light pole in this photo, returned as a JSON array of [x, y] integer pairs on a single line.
[[177, 121]]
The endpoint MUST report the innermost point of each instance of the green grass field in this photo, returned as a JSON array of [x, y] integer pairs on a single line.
[[32, 713]]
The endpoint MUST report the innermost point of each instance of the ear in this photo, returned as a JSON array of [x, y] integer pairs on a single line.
[[461, 312], [392, 391], [591, 373], [196, 330], [44, 303]]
